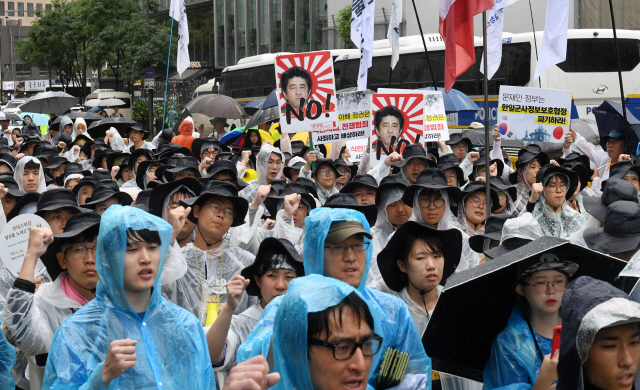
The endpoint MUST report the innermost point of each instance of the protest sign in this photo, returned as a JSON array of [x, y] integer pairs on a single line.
[[354, 119], [397, 117], [357, 148], [534, 114], [306, 92], [435, 117], [15, 241]]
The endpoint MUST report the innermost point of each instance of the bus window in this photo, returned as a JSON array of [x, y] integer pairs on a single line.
[[380, 71], [515, 67], [415, 69], [350, 77], [598, 55]]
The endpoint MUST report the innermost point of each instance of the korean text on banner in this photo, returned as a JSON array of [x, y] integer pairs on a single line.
[[354, 119], [15, 241], [435, 118], [357, 147], [306, 92], [533, 114], [396, 116], [362, 29]]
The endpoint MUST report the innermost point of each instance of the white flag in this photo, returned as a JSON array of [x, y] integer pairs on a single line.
[[554, 41], [495, 27], [179, 13], [394, 31], [362, 18]]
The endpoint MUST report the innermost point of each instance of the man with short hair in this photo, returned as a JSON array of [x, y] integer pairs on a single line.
[[57, 206], [337, 244], [296, 85], [389, 122]]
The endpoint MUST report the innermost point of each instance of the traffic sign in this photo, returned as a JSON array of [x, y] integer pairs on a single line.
[[149, 73], [149, 84]]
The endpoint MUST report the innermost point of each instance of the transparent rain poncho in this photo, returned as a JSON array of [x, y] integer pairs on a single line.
[[7, 359], [262, 160], [382, 231], [514, 363], [468, 258], [559, 224], [461, 221], [396, 321], [117, 143], [79, 121], [522, 227], [171, 342], [523, 190], [19, 172], [310, 294], [207, 276]]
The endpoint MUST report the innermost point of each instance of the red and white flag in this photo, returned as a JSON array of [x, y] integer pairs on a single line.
[[456, 29]]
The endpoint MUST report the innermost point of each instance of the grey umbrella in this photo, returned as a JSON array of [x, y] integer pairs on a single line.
[[264, 116], [112, 102], [9, 116], [218, 106], [49, 102]]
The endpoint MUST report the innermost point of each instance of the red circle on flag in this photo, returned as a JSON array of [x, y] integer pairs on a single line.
[[557, 132], [503, 128]]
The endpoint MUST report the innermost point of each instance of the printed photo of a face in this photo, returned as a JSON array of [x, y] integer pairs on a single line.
[[296, 85], [389, 123]]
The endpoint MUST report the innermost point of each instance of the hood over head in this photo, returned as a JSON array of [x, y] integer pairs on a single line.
[[186, 128], [112, 248], [19, 172], [262, 161], [317, 226]]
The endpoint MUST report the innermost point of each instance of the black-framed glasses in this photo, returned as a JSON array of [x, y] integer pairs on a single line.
[[79, 252], [344, 350], [339, 249], [218, 208], [426, 202]]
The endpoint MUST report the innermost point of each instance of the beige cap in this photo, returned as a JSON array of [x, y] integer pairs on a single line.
[[341, 230]]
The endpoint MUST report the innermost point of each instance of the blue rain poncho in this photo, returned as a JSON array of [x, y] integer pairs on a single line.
[[398, 328], [7, 359], [514, 363], [171, 343], [305, 295]]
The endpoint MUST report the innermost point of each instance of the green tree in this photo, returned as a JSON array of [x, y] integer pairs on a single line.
[[344, 27]]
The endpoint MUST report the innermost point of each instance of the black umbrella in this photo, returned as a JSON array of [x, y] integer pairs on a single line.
[[218, 106], [476, 303], [264, 116], [49, 102], [89, 118], [97, 129]]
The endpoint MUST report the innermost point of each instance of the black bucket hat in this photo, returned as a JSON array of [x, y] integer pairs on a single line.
[[85, 181], [348, 201], [159, 193], [526, 155], [225, 166], [117, 159], [8, 160], [101, 154], [271, 202], [104, 190], [492, 230], [481, 162], [583, 174], [101, 174], [497, 184], [29, 197], [309, 184], [621, 230], [620, 169], [398, 244], [136, 127], [142, 200], [456, 138], [210, 142], [479, 186], [326, 161], [412, 152], [450, 161], [551, 169], [434, 179], [615, 190], [365, 180], [287, 169], [28, 140], [352, 168], [137, 153], [75, 226], [56, 163], [173, 150], [11, 185], [63, 137], [222, 189], [82, 137], [268, 247], [185, 164], [55, 199], [391, 181], [573, 157], [70, 169], [298, 148], [142, 170]]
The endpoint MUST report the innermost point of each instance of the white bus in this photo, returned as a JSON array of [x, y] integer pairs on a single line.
[[590, 70]]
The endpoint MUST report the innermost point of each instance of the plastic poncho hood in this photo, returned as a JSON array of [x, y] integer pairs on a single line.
[[262, 161], [19, 172], [559, 224], [79, 121], [588, 305], [112, 248], [305, 295], [317, 227]]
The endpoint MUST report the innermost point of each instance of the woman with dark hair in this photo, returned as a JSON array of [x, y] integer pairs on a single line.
[[252, 138], [521, 354]]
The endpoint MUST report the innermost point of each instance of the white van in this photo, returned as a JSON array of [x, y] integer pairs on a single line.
[[126, 111], [210, 87]]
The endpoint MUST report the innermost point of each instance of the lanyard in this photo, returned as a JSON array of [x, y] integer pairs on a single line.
[[533, 334], [204, 298]]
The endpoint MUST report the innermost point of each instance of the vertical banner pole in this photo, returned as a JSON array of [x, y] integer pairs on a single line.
[[486, 114], [426, 53], [624, 107]]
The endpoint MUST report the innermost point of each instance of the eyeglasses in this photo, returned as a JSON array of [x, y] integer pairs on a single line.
[[542, 285], [477, 202], [209, 154], [452, 176], [339, 249], [326, 172], [276, 164], [345, 349], [79, 252], [218, 208], [345, 172], [561, 187], [426, 202]]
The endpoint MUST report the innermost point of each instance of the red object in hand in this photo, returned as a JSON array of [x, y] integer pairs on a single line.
[[555, 344]]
